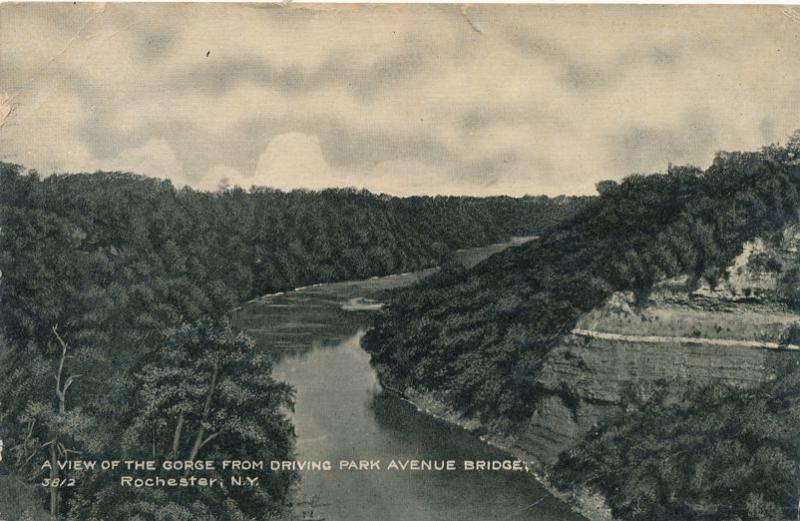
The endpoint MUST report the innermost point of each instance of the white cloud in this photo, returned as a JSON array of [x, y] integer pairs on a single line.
[[41, 133], [155, 158], [295, 160], [297, 83], [408, 177], [221, 175]]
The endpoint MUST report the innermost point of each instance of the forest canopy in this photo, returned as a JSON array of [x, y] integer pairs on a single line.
[[114, 332], [479, 336], [477, 339]]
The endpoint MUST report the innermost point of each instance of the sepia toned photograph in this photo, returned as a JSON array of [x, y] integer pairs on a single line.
[[399, 262]]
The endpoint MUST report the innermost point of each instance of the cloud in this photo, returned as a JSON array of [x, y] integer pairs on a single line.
[[295, 160], [219, 176], [41, 134], [642, 146], [221, 74], [154, 159], [411, 99]]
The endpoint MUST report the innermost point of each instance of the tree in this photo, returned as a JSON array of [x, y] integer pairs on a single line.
[[711, 453], [605, 186], [793, 145], [49, 427], [209, 395], [119, 260]]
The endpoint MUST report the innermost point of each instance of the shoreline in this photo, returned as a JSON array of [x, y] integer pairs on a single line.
[[586, 503]]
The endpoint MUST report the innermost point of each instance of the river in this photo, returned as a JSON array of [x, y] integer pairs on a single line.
[[341, 413]]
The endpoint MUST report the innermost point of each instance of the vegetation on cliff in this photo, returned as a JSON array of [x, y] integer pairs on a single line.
[[114, 342], [719, 453], [477, 338]]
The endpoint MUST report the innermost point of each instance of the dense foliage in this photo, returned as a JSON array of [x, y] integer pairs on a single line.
[[478, 337], [121, 239], [735, 458], [206, 394], [113, 328]]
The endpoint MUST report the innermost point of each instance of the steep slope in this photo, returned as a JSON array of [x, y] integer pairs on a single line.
[[550, 343], [739, 333], [117, 287], [479, 338]]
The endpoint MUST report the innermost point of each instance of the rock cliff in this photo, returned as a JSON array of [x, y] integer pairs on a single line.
[[734, 331]]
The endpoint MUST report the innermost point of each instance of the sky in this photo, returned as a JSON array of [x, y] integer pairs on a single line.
[[415, 99]]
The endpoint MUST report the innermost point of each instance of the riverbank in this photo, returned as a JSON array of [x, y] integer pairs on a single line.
[[585, 502], [341, 413]]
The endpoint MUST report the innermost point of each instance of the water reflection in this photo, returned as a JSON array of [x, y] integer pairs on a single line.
[[343, 414]]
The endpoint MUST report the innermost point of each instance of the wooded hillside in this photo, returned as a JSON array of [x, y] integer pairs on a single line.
[[114, 341], [477, 338]]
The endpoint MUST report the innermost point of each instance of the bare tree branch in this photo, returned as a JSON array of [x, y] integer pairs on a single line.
[[209, 438]]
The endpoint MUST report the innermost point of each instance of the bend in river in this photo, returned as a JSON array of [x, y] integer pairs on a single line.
[[342, 413]]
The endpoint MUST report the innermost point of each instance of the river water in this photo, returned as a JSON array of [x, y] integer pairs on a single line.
[[341, 413]]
